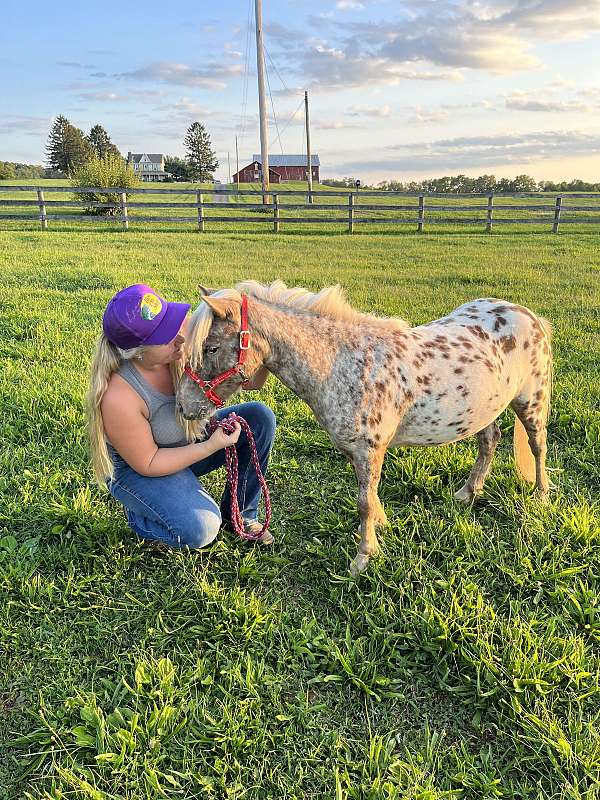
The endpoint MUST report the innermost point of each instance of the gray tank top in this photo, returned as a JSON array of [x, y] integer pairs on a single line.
[[166, 430]]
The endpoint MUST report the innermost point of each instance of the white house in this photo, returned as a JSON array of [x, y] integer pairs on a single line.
[[148, 166]]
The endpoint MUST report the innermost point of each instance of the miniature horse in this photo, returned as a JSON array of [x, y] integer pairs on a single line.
[[375, 383]]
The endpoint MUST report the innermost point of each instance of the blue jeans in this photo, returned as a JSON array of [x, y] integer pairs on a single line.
[[175, 509]]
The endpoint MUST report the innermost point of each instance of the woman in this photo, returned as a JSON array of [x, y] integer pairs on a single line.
[[138, 448]]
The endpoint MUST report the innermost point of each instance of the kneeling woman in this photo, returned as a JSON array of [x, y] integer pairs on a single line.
[[138, 448]]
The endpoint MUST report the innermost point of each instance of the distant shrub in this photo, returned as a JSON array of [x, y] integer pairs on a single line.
[[109, 171]]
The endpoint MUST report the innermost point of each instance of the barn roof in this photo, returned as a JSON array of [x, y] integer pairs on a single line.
[[288, 161]]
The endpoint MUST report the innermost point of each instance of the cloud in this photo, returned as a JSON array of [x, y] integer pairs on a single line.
[[76, 65], [30, 126], [211, 76], [102, 96], [424, 117], [369, 111], [548, 102], [435, 40], [479, 152], [347, 5], [335, 125], [333, 69], [517, 103], [186, 105]]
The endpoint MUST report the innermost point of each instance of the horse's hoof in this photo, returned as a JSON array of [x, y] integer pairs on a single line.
[[465, 495], [359, 564], [542, 495]]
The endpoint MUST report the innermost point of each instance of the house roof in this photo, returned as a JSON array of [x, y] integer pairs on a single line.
[[136, 157], [288, 161]]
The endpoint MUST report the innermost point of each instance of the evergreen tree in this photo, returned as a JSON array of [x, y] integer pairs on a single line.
[[200, 156], [101, 143], [55, 146], [67, 147]]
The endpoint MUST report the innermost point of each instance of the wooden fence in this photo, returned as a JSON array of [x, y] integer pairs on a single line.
[[358, 208]]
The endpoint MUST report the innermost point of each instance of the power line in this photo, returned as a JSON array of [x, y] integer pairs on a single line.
[[283, 83], [273, 110], [242, 127]]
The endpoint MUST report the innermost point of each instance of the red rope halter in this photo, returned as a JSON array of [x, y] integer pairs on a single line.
[[231, 462], [231, 457], [237, 369]]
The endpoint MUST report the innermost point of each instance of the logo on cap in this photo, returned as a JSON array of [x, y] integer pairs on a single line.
[[150, 306]]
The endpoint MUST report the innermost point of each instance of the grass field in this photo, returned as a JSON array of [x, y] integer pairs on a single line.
[[463, 664]]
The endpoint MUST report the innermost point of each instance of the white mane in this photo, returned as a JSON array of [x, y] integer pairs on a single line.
[[329, 302]]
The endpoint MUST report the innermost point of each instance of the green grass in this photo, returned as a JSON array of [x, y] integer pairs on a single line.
[[463, 664]]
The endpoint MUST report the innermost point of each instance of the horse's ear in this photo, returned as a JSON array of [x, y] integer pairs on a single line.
[[223, 307], [204, 290]]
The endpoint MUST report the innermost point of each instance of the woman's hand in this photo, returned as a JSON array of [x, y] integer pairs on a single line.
[[220, 439]]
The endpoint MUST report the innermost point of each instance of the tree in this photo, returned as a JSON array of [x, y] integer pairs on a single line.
[[108, 172], [524, 183], [101, 143], [485, 183], [7, 171], [201, 158], [178, 168], [67, 147]]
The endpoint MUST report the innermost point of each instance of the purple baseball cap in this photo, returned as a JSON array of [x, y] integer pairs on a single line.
[[137, 315]]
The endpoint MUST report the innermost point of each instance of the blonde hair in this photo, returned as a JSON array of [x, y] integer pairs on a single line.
[[106, 360]]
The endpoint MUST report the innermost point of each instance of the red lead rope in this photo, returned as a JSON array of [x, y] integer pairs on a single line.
[[231, 461]]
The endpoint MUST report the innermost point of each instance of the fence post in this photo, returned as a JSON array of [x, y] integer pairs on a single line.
[[557, 208], [350, 213], [125, 217], [490, 212], [275, 213], [199, 203], [42, 206], [421, 217]]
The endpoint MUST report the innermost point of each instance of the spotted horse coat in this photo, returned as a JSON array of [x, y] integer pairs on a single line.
[[375, 383]]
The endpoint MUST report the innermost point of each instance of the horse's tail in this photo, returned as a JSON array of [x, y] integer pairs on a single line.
[[524, 458]]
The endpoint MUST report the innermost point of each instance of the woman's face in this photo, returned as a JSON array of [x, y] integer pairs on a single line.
[[167, 353]]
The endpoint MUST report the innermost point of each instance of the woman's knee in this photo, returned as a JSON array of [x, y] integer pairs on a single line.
[[260, 417], [199, 529]]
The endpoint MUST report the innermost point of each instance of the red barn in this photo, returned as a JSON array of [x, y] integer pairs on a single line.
[[281, 168]]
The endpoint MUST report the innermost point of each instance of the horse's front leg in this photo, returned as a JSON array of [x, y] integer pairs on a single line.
[[367, 465]]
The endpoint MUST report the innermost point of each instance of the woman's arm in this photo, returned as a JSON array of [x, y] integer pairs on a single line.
[[129, 432], [257, 381]]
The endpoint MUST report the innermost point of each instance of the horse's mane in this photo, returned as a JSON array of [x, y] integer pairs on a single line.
[[329, 302]]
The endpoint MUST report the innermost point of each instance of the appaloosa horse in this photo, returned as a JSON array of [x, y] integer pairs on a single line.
[[375, 383]]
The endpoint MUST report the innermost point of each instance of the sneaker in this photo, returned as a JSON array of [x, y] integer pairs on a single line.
[[252, 526]]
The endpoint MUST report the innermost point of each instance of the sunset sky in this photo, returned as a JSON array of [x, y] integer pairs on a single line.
[[397, 89]]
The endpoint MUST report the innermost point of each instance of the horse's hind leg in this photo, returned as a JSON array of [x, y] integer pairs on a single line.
[[532, 416], [488, 440], [367, 465]]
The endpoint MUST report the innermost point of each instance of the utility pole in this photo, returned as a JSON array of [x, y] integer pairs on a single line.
[[308, 156], [237, 165], [262, 100]]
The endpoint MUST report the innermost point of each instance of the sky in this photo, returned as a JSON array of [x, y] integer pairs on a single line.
[[402, 89]]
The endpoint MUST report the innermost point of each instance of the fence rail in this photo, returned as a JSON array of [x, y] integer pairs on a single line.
[[425, 207]]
